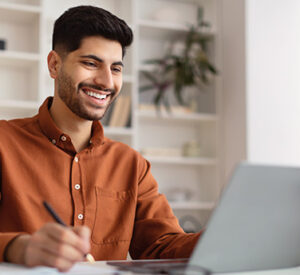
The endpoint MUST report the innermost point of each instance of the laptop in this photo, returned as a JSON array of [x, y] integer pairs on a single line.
[[256, 226]]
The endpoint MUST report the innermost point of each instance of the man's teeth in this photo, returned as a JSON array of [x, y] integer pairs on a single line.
[[96, 95]]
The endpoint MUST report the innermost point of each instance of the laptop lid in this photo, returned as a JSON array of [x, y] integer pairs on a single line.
[[256, 225]]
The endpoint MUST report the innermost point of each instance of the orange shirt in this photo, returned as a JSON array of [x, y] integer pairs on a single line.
[[108, 186]]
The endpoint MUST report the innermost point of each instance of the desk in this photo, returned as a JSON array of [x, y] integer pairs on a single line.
[[99, 268]]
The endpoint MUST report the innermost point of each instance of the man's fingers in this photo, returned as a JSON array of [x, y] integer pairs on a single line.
[[62, 249], [48, 259], [57, 246], [61, 234], [83, 232]]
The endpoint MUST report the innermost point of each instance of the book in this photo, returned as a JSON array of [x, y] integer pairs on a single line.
[[120, 112]]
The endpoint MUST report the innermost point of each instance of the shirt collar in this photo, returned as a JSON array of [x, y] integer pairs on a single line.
[[57, 137]]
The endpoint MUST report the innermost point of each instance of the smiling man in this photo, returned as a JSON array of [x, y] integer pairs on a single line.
[[101, 188], [88, 80]]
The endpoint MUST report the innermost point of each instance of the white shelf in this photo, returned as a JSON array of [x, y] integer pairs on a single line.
[[150, 24], [20, 7], [192, 205], [18, 59], [22, 104], [119, 131], [173, 116], [18, 13], [182, 160], [166, 29]]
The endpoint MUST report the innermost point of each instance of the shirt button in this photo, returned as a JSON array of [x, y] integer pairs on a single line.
[[80, 216], [76, 159], [63, 138], [53, 141], [77, 186]]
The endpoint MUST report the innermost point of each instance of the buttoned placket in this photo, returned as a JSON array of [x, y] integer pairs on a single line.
[[76, 186]]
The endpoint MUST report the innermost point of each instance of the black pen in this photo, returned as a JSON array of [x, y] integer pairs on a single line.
[[51, 211]]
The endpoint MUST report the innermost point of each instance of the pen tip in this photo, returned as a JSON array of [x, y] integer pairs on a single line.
[[90, 258]]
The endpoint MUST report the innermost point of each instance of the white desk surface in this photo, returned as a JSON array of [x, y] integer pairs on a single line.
[[102, 268]]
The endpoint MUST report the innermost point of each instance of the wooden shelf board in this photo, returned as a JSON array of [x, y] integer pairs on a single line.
[[18, 13], [192, 205], [18, 59], [120, 131], [162, 25], [19, 104], [159, 29], [174, 116], [20, 7], [182, 160]]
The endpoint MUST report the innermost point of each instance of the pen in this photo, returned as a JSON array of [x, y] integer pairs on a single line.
[[54, 215]]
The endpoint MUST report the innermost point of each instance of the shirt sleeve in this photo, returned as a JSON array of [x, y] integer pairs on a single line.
[[157, 233], [5, 239]]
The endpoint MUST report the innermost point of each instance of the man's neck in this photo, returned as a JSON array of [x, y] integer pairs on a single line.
[[78, 129]]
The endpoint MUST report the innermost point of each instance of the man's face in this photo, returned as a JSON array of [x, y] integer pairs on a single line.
[[90, 77]]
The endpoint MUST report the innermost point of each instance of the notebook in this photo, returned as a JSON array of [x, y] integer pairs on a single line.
[[255, 226]]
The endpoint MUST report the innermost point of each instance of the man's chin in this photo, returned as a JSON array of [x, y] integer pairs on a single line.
[[89, 116]]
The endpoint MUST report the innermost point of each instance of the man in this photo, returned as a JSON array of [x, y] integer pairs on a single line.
[[101, 188]]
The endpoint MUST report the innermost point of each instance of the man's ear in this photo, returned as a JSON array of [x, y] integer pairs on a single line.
[[54, 64]]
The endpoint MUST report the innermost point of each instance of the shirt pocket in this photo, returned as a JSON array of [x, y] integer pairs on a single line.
[[114, 216]]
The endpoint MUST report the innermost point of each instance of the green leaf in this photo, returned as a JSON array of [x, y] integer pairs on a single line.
[[158, 97], [150, 76], [146, 88], [166, 104], [212, 68], [154, 61], [177, 89]]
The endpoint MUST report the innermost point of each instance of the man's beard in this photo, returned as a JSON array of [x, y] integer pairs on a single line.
[[70, 95]]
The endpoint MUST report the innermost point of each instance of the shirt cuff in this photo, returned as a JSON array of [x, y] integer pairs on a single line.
[[5, 239]]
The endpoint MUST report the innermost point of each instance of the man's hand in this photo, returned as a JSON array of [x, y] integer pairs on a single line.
[[53, 245]]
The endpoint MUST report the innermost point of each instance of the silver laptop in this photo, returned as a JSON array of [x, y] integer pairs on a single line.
[[256, 225]]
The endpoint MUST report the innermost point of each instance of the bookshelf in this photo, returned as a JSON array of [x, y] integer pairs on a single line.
[[27, 28]]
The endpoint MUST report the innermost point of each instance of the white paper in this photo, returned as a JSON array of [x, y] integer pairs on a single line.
[[78, 269]]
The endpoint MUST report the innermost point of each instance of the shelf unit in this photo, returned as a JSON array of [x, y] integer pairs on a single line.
[[26, 26], [20, 61]]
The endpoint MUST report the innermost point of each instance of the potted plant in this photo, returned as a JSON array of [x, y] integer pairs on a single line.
[[178, 70]]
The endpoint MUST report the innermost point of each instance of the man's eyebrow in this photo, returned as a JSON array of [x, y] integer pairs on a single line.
[[119, 63], [100, 59]]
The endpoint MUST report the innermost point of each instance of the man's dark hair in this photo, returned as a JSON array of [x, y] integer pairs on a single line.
[[79, 22]]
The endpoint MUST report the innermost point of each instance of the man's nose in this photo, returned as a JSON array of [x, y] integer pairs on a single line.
[[104, 78]]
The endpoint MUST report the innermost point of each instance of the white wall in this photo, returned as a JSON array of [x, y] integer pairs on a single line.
[[234, 84], [273, 81]]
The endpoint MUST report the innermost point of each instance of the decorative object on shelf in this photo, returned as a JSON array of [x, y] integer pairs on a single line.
[[161, 152], [179, 194], [190, 224], [191, 66], [191, 149], [2, 44]]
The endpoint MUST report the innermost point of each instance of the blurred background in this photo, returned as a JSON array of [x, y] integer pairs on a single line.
[[207, 84]]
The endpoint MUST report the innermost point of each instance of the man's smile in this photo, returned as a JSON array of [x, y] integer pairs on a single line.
[[97, 96]]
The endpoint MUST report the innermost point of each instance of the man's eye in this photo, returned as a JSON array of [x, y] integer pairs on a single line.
[[117, 69], [88, 63]]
